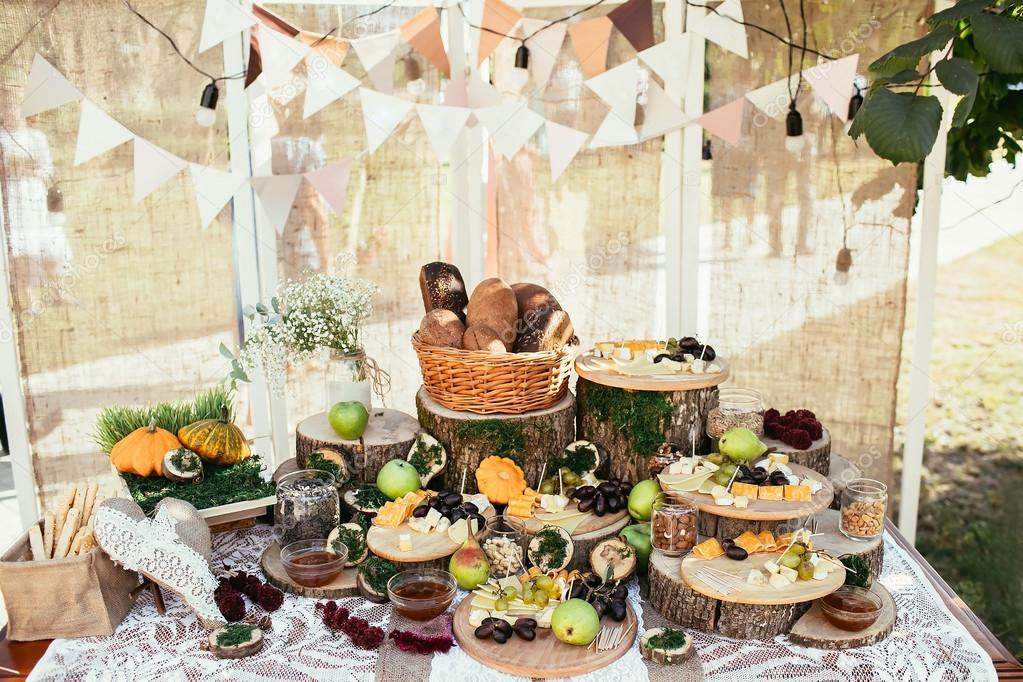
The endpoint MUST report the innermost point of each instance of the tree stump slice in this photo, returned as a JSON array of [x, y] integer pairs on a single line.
[[834, 542], [389, 435], [814, 630], [723, 527], [816, 457], [683, 416], [583, 543], [842, 471], [339, 588], [529, 438]]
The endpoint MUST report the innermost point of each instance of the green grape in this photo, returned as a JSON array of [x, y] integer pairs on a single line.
[[721, 478], [544, 583], [805, 570], [554, 591], [798, 549], [547, 487], [789, 560], [501, 604], [541, 599], [716, 458], [527, 594], [728, 468]]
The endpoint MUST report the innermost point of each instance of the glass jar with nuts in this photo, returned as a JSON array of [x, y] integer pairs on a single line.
[[672, 526], [864, 503], [737, 407], [504, 541]]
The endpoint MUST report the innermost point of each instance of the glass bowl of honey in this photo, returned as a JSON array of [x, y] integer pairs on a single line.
[[851, 608], [422, 593], [313, 563]]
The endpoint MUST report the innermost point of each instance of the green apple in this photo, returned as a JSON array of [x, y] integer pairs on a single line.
[[641, 499], [396, 478], [741, 445], [638, 536], [349, 419], [575, 622]]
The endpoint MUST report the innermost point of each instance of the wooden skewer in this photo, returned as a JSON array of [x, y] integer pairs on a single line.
[[462, 489], [543, 470], [561, 484]]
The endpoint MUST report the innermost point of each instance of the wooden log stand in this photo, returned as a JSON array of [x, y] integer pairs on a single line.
[[816, 457], [587, 535], [529, 439], [339, 588], [814, 630], [389, 435]]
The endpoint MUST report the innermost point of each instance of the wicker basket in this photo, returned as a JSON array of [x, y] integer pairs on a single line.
[[487, 383]]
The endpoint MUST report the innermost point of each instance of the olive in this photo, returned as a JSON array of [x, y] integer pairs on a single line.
[[759, 475], [452, 499], [620, 591], [578, 590], [592, 580], [502, 626], [707, 353], [587, 504], [749, 480], [736, 552], [778, 478], [744, 470], [525, 622], [585, 492], [570, 493], [600, 606], [484, 631], [479, 518], [420, 511], [618, 609], [500, 637], [600, 506], [612, 503], [607, 487], [688, 342], [526, 633]]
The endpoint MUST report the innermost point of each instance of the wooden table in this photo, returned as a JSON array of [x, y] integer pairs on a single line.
[[23, 656]]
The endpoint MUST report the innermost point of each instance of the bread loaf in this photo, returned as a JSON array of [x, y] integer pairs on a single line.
[[482, 337], [441, 327], [550, 330], [533, 298], [442, 287], [493, 304]]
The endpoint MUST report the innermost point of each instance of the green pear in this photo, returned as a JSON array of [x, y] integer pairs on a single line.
[[741, 445]]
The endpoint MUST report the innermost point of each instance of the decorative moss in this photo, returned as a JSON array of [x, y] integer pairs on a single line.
[[668, 640], [221, 485], [502, 438], [235, 634], [639, 415], [583, 460], [425, 457]]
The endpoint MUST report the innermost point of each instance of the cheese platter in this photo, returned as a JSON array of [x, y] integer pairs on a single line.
[[416, 531]]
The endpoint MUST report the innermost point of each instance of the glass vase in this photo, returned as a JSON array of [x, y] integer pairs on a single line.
[[349, 379]]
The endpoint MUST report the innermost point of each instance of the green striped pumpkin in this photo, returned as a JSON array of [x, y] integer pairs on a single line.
[[216, 440]]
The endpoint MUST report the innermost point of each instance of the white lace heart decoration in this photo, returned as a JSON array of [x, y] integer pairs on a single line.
[[153, 548]]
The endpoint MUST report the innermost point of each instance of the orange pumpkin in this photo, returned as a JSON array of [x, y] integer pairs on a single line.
[[500, 479], [216, 440], [141, 451]]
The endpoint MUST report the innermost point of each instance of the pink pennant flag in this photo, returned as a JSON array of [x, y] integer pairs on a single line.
[[456, 92], [543, 47], [332, 183], [422, 32], [590, 39], [726, 121], [500, 19], [832, 82]]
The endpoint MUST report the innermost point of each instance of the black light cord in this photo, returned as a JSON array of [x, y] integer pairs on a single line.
[[537, 31], [762, 29]]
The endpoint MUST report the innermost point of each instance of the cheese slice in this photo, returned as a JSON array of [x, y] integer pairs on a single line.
[[778, 457], [442, 525], [779, 581], [771, 566], [741, 501], [789, 574]]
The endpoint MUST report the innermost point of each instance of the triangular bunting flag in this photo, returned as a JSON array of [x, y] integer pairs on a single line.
[[482, 94], [498, 21], [543, 47], [97, 133], [833, 81], [718, 27], [456, 92], [381, 114], [223, 19], [279, 54], [670, 60], [422, 32], [725, 121], [326, 83], [590, 38], [661, 114], [614, 131], [333, 48], [376, 48], [46, 88], [382, 75], [276, 194], [510, 125], [563, 143], [635, 19], [773, 98], [213, 189], [332, 183], [153, 166], [617, 87], [442, 125]]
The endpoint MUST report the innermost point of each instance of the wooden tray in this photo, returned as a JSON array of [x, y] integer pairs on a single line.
[[342, 586], [545, 656], [591, 522], [588, 366], [798, 592], [425, 547], [768, 510], [814, 630]]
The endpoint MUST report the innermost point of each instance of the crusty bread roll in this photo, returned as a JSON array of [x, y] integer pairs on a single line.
[[551, 330], [493, 304], [441, 327], [482, 337], [442, 287], [533, 297]]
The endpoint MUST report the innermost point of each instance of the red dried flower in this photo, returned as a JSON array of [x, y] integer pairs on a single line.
[[362, 634], [230, 602], [421, 644], [798, 439], [269, 597]]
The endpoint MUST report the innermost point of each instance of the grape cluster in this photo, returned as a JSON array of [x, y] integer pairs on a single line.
[[795, 428], [451, 507], [610, 496], [606, 597]]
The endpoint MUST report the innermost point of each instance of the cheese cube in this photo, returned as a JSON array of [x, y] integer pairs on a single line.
[[718, 491], [442, 525], [713, 368], [756, 577], [405, 542], [820, 571], [724, 500], [433, 517], [789, 574], [814, 484], [772, 566], [476, 617], [778, 457], [779, 581], [419, 525], [623, 353], [745, 489], [709, 466], [740, 501], [771, 492], [797, 493], [698, 366]]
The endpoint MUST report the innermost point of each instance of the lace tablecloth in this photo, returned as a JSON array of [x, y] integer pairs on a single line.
[[928, 643]]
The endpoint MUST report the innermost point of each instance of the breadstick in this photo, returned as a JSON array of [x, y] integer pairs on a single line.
[[90, 502], [88, 542], [76, 543], [35, 543], [65, 507], [49, 520], [67, 534]]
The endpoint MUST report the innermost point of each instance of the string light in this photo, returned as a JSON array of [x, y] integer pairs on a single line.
[[206, 114]]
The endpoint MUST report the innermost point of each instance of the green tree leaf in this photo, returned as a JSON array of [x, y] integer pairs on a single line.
[[901, 126], [859, 121], [962, 111], [961, 10], [999, 39], [957, 75], [226, 352], [907, 56]]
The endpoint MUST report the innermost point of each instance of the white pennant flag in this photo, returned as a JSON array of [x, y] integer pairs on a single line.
[[563, 143], [718, 27], [213, 189], [46, 88], [153, 167], [326, 84], [442, 125], [670, 60], [276, 194], [661, 114], [381, 114], [614, 131], [510, 125], [279, 54], [332, 183], [376, 48], [773, 98], [223, 19], [544, 47], [481, 93], [832, 82], [97, 133], [617, 87]]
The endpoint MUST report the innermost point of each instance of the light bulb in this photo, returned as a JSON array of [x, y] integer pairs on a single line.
[[795, 144], [841, 278], [206, 114], [794, 140], [416, 87], [517, 79], [205, 117]]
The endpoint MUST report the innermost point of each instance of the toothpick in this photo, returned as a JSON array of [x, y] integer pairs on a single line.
[[561, 483], [734, 473], [462, 490], [703, 352], [626, 633], [543, 471]]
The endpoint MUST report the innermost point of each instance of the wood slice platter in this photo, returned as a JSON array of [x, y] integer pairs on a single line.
[[593, 530], [767, 510], [342, 586], [814, 630], [816, 457], [599, 371], [590, 521], [761, 595], [833, 541], [389, 435], [426, 547], [545, 657]]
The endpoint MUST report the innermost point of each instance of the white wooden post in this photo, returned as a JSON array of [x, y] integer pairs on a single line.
[[690, 188], [672, 179]]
